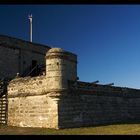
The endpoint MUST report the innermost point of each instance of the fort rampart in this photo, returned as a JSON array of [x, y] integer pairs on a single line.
[[59, 100]]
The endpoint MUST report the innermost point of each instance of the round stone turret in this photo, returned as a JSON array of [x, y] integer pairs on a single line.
[[61, 66]]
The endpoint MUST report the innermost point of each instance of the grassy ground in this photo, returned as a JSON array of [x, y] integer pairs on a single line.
[[122, 129]]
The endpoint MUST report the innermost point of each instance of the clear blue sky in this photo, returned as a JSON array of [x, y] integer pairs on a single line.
[[106, 38]]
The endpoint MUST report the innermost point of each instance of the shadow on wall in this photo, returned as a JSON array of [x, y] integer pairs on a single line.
[[83, 110]]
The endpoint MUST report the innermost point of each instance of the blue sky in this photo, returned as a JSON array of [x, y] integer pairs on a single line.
[[106, 38]]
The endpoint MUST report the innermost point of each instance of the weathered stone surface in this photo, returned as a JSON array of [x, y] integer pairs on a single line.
[[90, 110], [23, 87], [33, 111]]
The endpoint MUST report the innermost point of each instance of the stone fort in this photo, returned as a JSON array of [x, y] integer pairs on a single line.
[[39, 87]]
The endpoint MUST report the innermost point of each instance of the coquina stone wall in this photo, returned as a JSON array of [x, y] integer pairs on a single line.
[[59, 100], [84, 107], [29, 105]]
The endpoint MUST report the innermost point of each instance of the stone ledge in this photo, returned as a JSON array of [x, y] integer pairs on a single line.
[[50, 93]]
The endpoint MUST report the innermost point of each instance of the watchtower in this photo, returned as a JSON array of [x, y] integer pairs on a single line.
[[61, 66]]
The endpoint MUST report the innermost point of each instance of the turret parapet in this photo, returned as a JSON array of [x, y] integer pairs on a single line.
[[60, 53]]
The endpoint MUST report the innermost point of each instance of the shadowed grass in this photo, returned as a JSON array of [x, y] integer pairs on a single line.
[[121, 129]]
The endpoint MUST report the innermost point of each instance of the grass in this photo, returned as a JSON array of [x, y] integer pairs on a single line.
[[119, 129]]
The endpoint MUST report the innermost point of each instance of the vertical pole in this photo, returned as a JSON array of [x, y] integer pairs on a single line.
[[30, 20]]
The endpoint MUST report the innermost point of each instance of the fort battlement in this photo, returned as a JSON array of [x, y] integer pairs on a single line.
[[59, 100]]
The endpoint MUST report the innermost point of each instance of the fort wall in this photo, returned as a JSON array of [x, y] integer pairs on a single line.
[[29, 105], [84, 107], [59, 100]]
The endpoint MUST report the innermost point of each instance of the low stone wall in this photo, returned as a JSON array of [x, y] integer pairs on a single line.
[[27, 86], [90, 108], [29, 105]]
